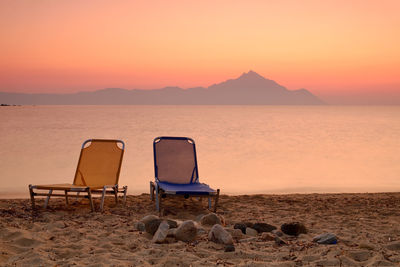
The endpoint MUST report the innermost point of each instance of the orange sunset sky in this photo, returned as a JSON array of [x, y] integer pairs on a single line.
[[339, 50]]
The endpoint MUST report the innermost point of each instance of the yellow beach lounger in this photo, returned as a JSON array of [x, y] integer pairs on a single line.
[[97, 173]]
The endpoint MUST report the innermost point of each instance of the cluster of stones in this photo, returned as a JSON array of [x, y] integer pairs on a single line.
[[165, 230]]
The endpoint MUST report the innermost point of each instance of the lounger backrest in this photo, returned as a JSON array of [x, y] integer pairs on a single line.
[[175, 160], [99, 163]]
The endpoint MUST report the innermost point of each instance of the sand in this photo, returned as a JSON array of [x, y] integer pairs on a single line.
[[367, 227]]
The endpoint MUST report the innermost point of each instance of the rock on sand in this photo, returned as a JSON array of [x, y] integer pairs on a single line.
[[218, 234], [186, 232]]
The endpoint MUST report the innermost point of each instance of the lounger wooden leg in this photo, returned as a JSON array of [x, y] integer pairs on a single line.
[[102, 199], [216, 201], [125, 191], [32, 196], [116, 194], [90, 198], [48, 198], [66, 197]]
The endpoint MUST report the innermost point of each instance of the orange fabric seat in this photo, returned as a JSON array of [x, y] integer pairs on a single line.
[[97, 172]]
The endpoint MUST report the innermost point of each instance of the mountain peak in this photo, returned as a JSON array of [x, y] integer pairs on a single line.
[[251, 75]]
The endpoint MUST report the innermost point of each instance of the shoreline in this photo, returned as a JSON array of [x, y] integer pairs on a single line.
[[25, 196], [366, 225]]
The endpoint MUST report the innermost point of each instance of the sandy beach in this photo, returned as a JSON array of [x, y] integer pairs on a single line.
[[367, 227]]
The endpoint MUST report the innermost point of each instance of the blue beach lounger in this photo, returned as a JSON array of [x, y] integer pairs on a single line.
[[176, 172]]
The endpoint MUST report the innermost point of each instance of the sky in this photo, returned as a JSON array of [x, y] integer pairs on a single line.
[[342, 51]]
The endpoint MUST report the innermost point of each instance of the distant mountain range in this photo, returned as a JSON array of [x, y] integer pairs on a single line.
[[249, 89]]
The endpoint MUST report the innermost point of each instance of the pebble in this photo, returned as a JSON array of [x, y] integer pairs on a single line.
[[186, 232], [198, 217], [279, 241], [327, 239], [201, 231], [243, 226], [152, 226], [235, 233], [171, 232], [218, 234], [161, 233], [210, 219], [263, 227], [140, 226], [251, 231], [172, 224], [293, 228], [148, 218]]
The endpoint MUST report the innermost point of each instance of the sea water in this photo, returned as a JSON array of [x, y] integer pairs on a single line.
[[240, 149]]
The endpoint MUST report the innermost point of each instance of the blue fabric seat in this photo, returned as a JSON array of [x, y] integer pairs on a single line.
[[176, 171], [189, 189]]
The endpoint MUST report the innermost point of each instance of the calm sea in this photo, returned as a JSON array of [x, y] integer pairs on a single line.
[[241, 149]]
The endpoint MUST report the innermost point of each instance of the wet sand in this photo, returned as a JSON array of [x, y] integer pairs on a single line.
[[367, 227]]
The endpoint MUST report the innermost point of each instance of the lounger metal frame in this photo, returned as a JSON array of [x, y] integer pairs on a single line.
[[76, 190], [159, 193]]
